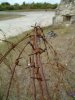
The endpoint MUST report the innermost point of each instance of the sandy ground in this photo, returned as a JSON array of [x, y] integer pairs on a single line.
[[16, 26]]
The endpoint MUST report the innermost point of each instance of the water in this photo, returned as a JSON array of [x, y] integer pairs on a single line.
[[19, 25]]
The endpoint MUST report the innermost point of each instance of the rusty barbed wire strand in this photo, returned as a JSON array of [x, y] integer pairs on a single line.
[[16, 64], [39, 74], [25, 37], [57, 69]]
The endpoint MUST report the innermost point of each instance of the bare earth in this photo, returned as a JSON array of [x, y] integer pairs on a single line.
[[17, 26]]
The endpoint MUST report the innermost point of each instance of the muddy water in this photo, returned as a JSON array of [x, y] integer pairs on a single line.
[[16, 26]]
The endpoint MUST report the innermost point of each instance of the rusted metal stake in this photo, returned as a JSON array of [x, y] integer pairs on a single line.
[[33, 75], [37, 70]]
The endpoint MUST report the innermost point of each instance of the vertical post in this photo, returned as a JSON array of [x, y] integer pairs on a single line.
[[45, 89], [38, 74], [33, 75], [37, 69]]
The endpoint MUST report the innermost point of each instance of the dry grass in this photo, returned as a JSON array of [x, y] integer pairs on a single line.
[[8, 16], [59, 71]]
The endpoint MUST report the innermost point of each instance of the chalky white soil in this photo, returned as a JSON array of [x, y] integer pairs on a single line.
[[16, 26]]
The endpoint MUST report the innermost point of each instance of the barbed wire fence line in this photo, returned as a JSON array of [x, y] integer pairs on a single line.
[[49, 78]]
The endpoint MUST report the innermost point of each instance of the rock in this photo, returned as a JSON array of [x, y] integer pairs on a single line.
[[65, 12], [51, 34]]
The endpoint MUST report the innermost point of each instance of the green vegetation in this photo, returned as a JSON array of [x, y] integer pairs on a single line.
[[7, 6]]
